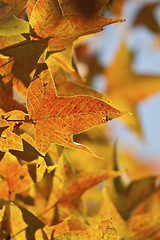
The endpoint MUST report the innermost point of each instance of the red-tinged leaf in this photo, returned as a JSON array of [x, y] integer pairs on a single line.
[[72, 27], [56, 119], [69, 186], [74, 185], [69, 224], [47, 21], [30, 6], [87, 8], [45, 16], [65, 87], [145, 226], [150, 204], [105, 230], [10, 8], [14, 177], [58, 194]]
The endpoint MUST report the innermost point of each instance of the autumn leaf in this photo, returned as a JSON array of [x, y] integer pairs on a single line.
[[108, 210], [62, 59], [87, 8], [6, 95], [78, 183], [59, 193], [147, 17], [63, 30], [14, 177], [126, 196], [122, 87], [48, 190], [27, 53], [10, 8], [67, 225], [14, 26], [105, 230], [57, 119], [9, 140], [118, 7], [16, 223], [143, 226], [66, 87]]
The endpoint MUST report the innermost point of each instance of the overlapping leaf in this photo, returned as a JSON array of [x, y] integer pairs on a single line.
[[104, 231], [14, 26], [65, 87], [16, 223], [87, 8], [11, 7], [144, 226], [58, 194], [127, 196], [47, 21]]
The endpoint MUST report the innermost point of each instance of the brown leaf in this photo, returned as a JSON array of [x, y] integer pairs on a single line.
[[88, 8], [10, 8], [146, 17]]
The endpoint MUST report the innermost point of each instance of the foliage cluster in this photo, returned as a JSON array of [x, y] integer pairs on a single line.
[[51, 187]]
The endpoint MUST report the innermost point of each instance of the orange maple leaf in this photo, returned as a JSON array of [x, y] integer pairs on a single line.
[[57, 119], [47, 20]]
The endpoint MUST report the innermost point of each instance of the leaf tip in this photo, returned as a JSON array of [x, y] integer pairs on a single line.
[[122, 20]]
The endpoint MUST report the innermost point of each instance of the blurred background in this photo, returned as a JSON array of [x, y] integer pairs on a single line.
[[123, 61]]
